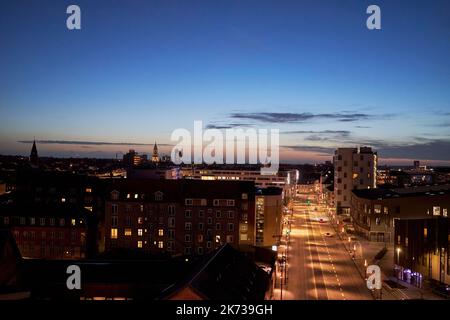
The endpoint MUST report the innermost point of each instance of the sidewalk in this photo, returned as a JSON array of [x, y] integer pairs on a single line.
[[281, 291]]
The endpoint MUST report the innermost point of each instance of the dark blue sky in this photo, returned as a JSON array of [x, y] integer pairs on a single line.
[[139, 69]]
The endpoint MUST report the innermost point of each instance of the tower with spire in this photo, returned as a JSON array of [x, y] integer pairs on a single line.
[[155, 156], [34, 155]]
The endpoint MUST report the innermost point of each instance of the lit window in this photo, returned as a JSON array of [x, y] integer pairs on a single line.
[[136, 195], [88, 190], [63, 199], [128, 196], [73, 222], [377, 208], [140, 220], [128, 231], [217, 239], [114, 233], [139, 244], [160, 244], [160, 232], [140, 232], [425, 232]]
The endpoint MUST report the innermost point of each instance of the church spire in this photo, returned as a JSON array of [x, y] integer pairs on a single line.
[[155, 155], [34, 155]]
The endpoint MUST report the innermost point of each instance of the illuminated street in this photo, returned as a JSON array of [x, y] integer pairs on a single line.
[[319, 266]]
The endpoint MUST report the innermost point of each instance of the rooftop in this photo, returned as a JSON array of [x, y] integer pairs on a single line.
[[419, 191]]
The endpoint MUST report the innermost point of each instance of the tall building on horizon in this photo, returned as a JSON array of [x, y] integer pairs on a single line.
[[133, 159], [354, 168]]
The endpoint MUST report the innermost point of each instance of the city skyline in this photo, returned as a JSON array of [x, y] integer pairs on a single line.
[[137, 71]]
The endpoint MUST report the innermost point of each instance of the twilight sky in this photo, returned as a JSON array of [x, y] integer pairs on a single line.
[[140, 69]]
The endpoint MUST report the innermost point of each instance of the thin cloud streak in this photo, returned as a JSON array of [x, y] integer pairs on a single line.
[[279, 117], [91, 143]]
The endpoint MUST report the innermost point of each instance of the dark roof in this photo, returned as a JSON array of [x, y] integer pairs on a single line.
[[422, 191], [10, 260], [139, 279], [226, 274], [6, 238]]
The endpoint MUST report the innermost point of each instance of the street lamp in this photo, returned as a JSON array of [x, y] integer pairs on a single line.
[[398, 264]]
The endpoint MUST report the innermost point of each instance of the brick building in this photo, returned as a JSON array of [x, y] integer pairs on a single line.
[[179, 216], [54, 215]]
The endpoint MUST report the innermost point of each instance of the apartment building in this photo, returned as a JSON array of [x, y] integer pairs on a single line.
[[376, 211], [47, 232], [354, 169], [179, 216]]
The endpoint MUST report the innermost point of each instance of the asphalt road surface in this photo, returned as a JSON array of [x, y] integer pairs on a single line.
[[319, 266]]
